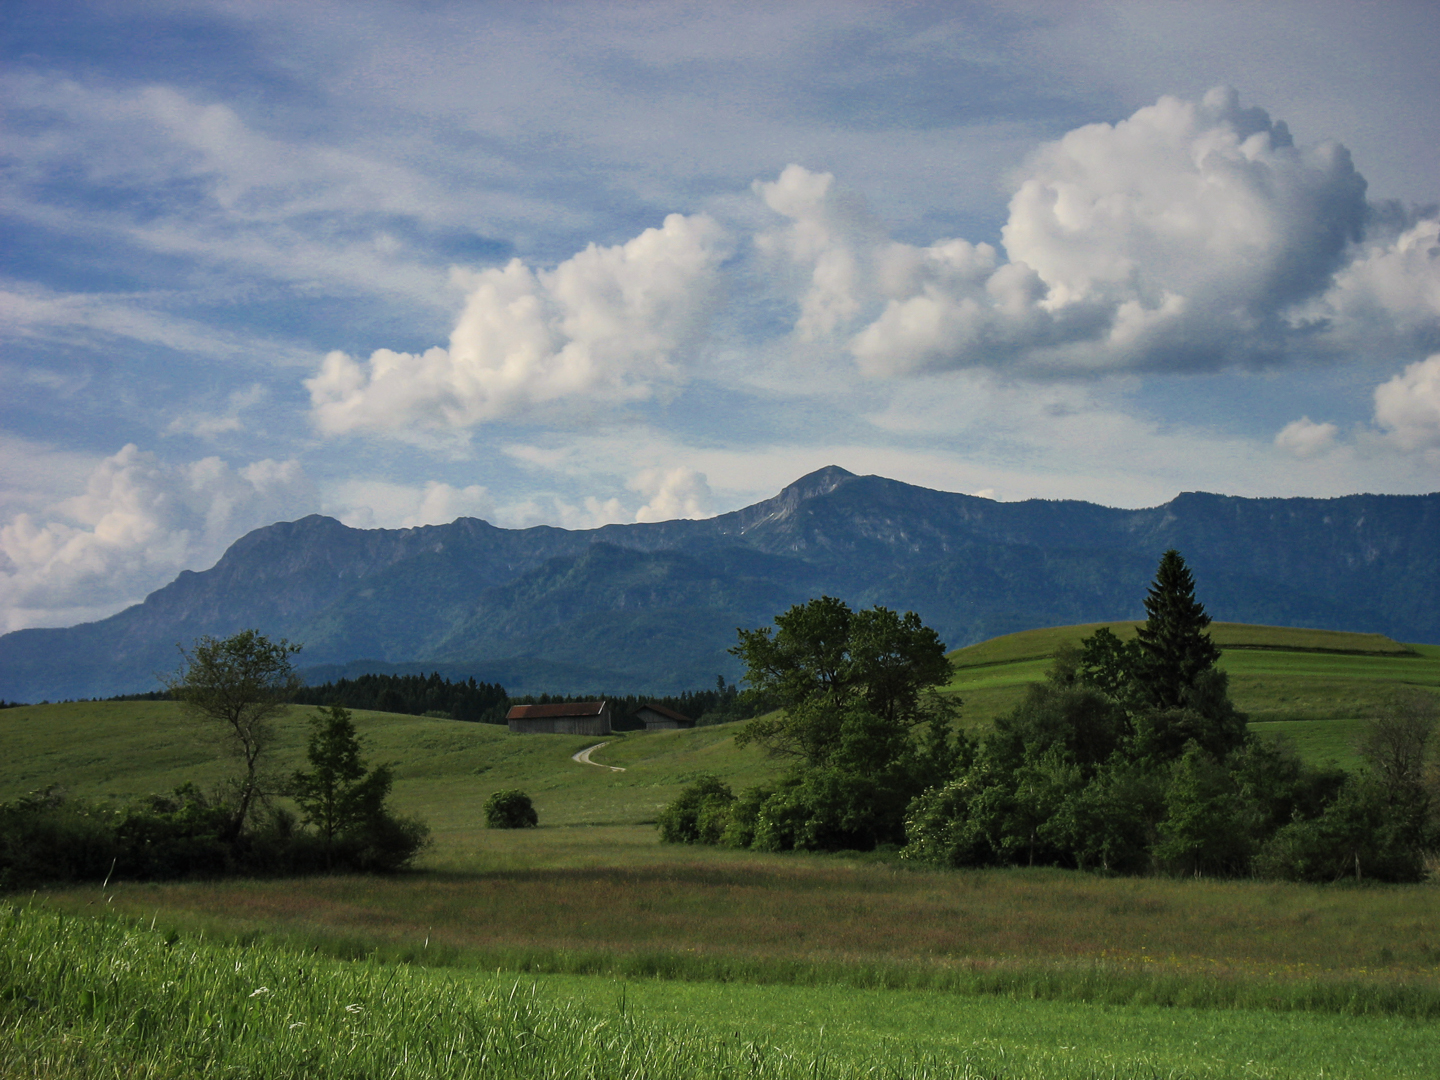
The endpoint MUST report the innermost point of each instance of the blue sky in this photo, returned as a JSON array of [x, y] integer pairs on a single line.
[[579, 263]]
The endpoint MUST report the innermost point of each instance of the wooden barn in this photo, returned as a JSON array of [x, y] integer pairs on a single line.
[[569, 718], [658, 717]]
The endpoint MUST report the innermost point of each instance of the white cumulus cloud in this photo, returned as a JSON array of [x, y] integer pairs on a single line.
[[1391, 291], [1178, 239], [379, 504], [1408, 406], [608, 324], [137, 524], [1304, 438], [672, 493], [824, 247]]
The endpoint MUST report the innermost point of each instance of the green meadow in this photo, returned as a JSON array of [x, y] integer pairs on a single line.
[[637, 958], [1323, 682]]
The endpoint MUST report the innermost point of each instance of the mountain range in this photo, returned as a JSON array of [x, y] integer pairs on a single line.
[[653, 607]]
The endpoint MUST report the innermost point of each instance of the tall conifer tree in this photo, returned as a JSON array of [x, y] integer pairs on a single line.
[[1175, 647]]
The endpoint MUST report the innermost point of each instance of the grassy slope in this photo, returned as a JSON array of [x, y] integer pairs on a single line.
[[593, 887], [1322, 682], [598, 852], [444, 770]]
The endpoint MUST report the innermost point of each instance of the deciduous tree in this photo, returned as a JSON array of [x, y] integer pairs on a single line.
[[823, 660], [241, 683]]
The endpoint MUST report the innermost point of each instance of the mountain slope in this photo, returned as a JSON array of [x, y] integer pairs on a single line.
[[654, 606]]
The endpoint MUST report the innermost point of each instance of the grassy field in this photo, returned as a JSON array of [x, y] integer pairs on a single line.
[[1007, 973], [106, 997], [1326, 679]]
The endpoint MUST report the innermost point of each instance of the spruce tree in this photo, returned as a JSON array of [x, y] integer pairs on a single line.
[[1175, 648], [339, 793]]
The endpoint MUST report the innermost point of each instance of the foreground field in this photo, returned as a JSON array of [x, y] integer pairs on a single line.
[[646, 910], [724, 954], [87, 997]]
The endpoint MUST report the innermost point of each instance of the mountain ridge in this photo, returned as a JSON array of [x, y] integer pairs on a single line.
[[653, 606]]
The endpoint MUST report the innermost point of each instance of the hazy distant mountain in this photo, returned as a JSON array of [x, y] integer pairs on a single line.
[[654, 607]]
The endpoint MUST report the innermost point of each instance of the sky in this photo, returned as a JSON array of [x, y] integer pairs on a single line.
[[579, 263]]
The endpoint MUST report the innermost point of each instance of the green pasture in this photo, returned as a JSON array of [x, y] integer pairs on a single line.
[[1016, 1037], [444, 770], [719, 954], [111, 997], [1277, 675]]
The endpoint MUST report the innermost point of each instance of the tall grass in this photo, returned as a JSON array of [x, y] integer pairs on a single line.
[[87, 997], [84, 997], [1017, 935], [811, 909]]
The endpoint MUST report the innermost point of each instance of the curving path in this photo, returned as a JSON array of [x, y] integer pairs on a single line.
[[583, 757]]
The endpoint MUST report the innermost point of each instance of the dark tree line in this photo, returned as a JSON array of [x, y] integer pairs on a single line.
[[1129, 758], [717, 706], [466, 700], [487, 703]]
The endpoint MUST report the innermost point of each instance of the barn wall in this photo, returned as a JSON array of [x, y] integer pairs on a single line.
[[655, 721], [564, 725]]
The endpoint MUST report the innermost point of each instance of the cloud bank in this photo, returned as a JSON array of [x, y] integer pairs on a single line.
[[672, 493], [1190, 237], [1185, 238], [138, 523]]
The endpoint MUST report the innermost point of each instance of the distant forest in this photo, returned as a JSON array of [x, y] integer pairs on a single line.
[[487, 703]]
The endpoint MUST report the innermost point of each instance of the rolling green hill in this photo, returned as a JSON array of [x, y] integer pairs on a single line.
[[592, 897], [1315, 687], [444, 770]]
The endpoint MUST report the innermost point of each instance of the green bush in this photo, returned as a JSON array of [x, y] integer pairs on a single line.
[[45, 837], [744, 816], [700, 814], [1368, 832], [510, 809]]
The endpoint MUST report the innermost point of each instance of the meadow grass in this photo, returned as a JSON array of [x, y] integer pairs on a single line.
[[592, 896], [1052, 1038], [1276, 673], [444, 771], [1317, 741], [107, 997], [814, 920], [1043, 643]]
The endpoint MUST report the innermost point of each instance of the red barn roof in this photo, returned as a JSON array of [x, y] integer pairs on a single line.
[[551, 712]]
